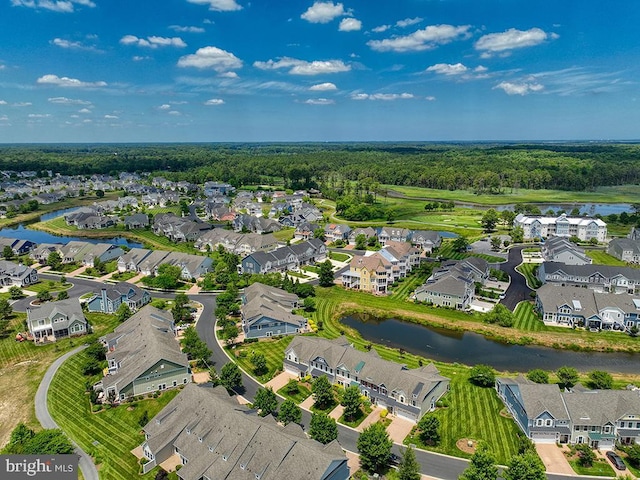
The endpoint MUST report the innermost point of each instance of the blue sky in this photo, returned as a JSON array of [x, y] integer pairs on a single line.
[[295, 70]]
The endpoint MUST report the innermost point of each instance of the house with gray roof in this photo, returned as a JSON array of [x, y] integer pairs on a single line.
[[407, 393], [19, 247], [603, 277], [561, 250], [234, 242], [625, 249], [112, 296], [131, 260], [599, 418], [213, 437], [12, 273], [267, 311], [284, 258], [143, 356], [54, 320], [137, 220]]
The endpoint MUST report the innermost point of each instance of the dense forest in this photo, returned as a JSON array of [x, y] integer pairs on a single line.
[[485, 168]]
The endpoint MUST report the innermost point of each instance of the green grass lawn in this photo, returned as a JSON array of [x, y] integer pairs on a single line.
[[50, 285], [529, 271], [601, 257], [339, 256], [526, 318], [354, 422], [301, 396], [446, 251], [311, 268], [285, 234], [273, 351], [124, 276], [108, 436], [600, 468]]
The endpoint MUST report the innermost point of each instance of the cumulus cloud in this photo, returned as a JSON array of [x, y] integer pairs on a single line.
[[164, 107], [84, 110], [448, 68], [350, 25], [50, 79], [425, 39], [407, 22], [3, 102], [68, 101], [153, 41], [213, 58], [381, 28], [21, 104], [111, 117], [323, 87], [319, 101], [323, 12], [519, 88], [62, 6], [382, 96], [139, 58], [511, 39], [39, 115], [214, 101], [181, 29], [302, 67], [219, 5], [59, 42], [430, 98]]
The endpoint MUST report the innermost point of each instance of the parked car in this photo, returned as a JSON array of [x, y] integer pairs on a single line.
[[616, 460], [394, 460]]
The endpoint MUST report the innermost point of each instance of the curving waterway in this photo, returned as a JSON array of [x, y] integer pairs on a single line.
[[472, 348]]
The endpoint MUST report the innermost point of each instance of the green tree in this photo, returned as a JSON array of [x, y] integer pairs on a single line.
[[230, 376], [214, 379], [97, 351], [54, 260], [429, 426], [180, 309], [259, 362], [351, 401], [374, 446], [538, 375], [265, 401], [289, 412], [482, 375], [500, 315], [309, 304], [460, 244], [409, 468], [7, 252], [44, 296], [63, 295], [49, 442], [567, 376], [20, 436], [230, 332], [507, 217], [601, 380], [495, 243], [5, 309], [15, 292], [322, 392], [319, 234], [361, 241], [517, 235], [123, 312], [99, 193], [323, 428], [325, 274], [633, 455], [489, 220], [586, 455], [482, 465], [525, 467]]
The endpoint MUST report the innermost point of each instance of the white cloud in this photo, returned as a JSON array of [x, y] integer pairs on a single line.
[[425, 39], [302, 67], [21, 104], [407, 22], [519, 88], [39, 115], [211, 58], [175, 113], [59, 42], [68, 101], [350, 25], [214, 101], [219, 5], [139, 58], [229, 75], [4, 118], [3, 102], [319, 101], [153, 41], [181, 29], [381, 28], [448, 68], [68, 82], [164, 107], [111, 117], [62, 6], [84, 110], [510, 40], [430, 98], [323, 12], [323, 87], [382, 96]]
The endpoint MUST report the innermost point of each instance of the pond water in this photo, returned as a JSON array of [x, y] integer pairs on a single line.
[[471, 348], [603, 209]]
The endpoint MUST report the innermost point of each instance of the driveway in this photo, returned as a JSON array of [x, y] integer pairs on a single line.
[[554, 459], [89, 471], [518, 290]]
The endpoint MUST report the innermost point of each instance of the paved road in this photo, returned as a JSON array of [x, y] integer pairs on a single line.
[[518, 290], [89, 471]]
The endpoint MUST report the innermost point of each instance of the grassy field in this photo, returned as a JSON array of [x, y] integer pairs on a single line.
[[22, 366], [600, 468], [272, 350], [285, 234], [526, 318], [339, 256], [108, 436], [619, 194], [603, 258], [529, 271]]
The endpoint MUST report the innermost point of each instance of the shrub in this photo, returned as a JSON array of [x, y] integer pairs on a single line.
[[482, 376]]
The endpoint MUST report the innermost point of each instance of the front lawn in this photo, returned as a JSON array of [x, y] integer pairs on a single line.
[[363, 413], [124, 276], [529, 271], [273, 350], [339, 256], [298, 397], [600, 468], [600, 257], [108, 436], [526, 318]]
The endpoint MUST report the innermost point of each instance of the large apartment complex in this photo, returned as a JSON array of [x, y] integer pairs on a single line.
[[539, 226]]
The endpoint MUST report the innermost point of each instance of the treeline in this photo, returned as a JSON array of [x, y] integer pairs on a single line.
[[484, 168]]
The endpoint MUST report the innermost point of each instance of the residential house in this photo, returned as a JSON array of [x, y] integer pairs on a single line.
[[336, 231], [17, 274], [599, 418], [95, 222], [111, 297], [394, 234], [149, 265], [602, 277], [573, 306], [79, 214], [41, 253], [407, 393], [539, 226], [136, 221], [19, 247], [266, 311], [249, 223], [560, 249], [104, 252], [233, 242], [212, 189], [426, 240], [368, 232], [130, 261], [212, 437], [55, 320], [305, 230], [192, 266], [284, 258], [178, 229], [143, 356], [625, 249]]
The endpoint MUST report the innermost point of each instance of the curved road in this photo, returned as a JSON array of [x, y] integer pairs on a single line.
[[89, 471], [518, 290]]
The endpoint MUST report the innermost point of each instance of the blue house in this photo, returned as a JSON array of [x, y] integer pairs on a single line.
[[111, 297], [266, 312]]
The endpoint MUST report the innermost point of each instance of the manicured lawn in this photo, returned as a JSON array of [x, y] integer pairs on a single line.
[[601, 257], [285, 234], [273, 351], [50, 285], [363, 413], [124, 276], [108, 436], [311, 268], [526, 318], [301, 396], [339, 256], [446, 251], [600, 468], [529, 271]]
